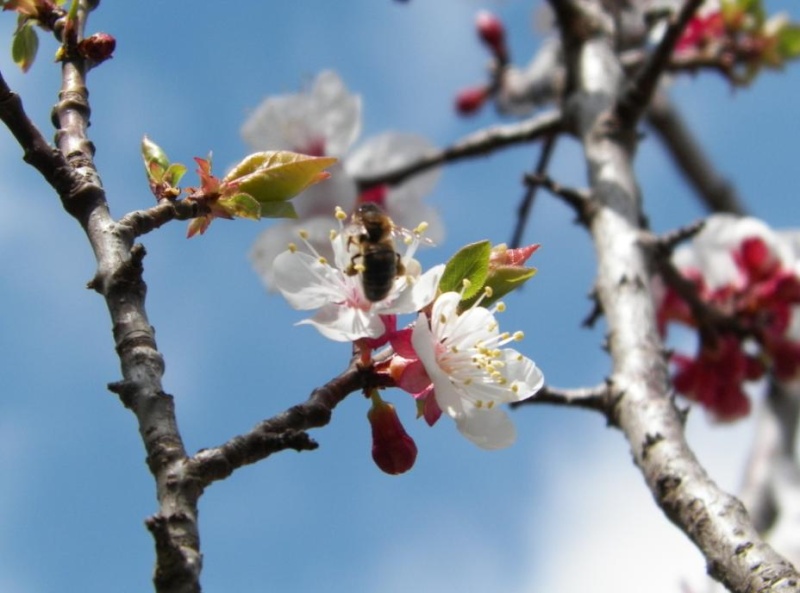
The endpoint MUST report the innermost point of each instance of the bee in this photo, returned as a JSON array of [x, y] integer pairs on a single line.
[[379, 263]]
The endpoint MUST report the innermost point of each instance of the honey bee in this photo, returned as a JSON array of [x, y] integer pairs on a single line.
[[379, 263]]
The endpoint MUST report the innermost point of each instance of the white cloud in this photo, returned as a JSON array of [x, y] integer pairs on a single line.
[[603, 531]]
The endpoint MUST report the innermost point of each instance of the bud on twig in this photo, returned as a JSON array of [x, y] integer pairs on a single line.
[[492, 32], [392, 449], [97, 48], [469, 101]]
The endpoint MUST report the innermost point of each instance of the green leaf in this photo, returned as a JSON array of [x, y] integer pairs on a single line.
[[789, 42], [153, 153], [275, 176], [174, 174], [24, 46], [503, 280], [470, 263], [242, 205], [278, 210]]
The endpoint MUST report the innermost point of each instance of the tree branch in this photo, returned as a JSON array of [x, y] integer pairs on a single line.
[[714, 520], [641, 87], [716, 193], [597, 398], [70, 170], [284, 431], [774, 444], [141, 222], [579, 201], [480, 143]]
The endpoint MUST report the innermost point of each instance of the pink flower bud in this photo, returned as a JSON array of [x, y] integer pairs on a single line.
[[469, 101], [492, 33], [98, 47], [393, 450], [503, 256]]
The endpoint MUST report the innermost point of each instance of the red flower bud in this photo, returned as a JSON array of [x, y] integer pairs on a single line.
[[469, 101], [97, 48], [492, 33], [393, 450]]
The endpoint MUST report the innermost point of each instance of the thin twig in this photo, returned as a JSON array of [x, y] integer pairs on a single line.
[[579, 200], [641, 87], [589, 398], [140, 222], [525, 206]]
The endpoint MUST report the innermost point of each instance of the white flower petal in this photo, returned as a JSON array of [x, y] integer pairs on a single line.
[[388, 151], [326, 117], [710, 252], [489, 429], [322, 199], [424, 343], [275, 240], [345, 324], [523, 374], [269, 244], [416, 296], [306, 282], [337, 111]]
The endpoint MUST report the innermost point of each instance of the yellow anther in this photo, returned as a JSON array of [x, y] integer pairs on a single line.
[[453, 349], [490, 405], [515, 388], [359, 268], [466, 283], [333, 234], [340, 214], [479, 404], [323, 261], [442, 318], [421, 228], [492, 326], [292, 247], [500, 307], [468, 381], [518, 336], [303, 234], [407, 240], [487, 291]]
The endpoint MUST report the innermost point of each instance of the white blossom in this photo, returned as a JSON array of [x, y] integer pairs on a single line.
[[471, 373], [309, 281], [326, 120]]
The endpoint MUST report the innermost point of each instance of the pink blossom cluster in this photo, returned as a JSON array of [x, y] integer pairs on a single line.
[[750, 274]]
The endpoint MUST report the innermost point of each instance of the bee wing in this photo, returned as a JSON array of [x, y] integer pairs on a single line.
[[407, 236]]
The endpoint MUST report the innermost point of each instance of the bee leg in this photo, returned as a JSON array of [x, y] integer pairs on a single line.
[[353, 268], [401, 269]]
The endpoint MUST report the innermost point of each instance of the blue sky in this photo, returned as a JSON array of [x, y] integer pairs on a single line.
[[76, 488]]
